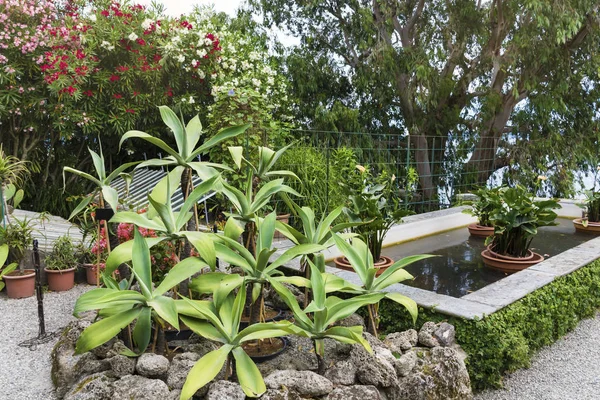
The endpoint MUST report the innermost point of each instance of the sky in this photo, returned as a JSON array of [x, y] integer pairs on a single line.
[[178, 7]]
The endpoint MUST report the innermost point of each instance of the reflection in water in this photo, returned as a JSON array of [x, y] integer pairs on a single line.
[[460, 270]]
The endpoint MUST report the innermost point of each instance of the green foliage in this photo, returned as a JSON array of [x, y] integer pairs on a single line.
[[219, 321], [369, 209], [18, 235], [63, 254], [507, 340], [120, 306], [516, 215], [483, 206], [592, 206], [5, 269]]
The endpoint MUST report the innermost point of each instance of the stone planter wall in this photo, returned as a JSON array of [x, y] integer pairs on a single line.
[[407, 365]]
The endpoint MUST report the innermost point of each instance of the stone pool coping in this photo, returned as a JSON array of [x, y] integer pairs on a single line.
[[490, 298]]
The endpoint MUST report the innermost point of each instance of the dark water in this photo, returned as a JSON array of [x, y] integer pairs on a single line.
[[460, 270]]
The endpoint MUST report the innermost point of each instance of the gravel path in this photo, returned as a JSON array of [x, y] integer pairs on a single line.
[[567, 370], [24, 372]]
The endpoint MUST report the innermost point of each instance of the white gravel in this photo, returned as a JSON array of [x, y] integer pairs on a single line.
[[567, 370], [24, 372]]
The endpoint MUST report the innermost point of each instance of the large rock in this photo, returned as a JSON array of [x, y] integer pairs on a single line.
[[445, 334], [179, 369], [426, 335], [342, 373], [377, 371], [299, 356], [401, 341], [122, 365], [357, 392], [152, 365], [306, 383], [225, 390], [92, 387], [405, 364], [352, 320], [68, 367], [439, 374], [135, 387], [284, 394]]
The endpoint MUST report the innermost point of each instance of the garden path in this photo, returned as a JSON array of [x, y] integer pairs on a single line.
[[567, 370], [25, 372]]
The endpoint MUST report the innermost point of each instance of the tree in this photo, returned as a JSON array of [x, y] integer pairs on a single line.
[[435, 68]]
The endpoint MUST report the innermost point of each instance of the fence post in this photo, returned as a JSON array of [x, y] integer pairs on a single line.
[[407, 168]]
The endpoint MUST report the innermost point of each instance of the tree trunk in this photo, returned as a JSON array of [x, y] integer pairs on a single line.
[[484, 155], [421, 151]]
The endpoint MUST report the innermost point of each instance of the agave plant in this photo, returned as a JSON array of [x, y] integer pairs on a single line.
[[258, 269], [167, 222], [101, 181], [219, 320], [316, 320], [120, 307], [361, 259]]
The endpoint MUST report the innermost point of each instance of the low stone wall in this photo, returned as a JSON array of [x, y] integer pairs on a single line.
[[408, 365]]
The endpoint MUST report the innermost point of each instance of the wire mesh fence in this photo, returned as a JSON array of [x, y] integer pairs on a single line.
[[428, 171]]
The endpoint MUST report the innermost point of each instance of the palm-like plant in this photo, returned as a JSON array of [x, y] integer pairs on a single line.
[[258, 270], [219, 320], [12, 172], [101, 182], [316, 320], [361, 259], [171, 225], [121, 306]]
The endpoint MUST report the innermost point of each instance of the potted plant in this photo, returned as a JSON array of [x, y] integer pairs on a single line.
[[17, 236], [481, 208], [516, 217], [591, 222], [61, 264], [5, 269], [12, 172], [373, 214]]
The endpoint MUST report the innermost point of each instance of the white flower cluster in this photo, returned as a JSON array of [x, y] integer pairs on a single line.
[[107, 45]]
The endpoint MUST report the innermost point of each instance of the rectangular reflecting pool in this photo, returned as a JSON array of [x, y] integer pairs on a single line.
[[459, 269]]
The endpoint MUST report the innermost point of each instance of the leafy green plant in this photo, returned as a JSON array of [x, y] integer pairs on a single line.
[[370, 211], [316, 320], [63, 255], [361, 259], [18, 235], [5, 269], [219, 320], [120, 306], [258, 269], [101, 181], [592, 207], [13, 196], [483, 206], [516, 216]]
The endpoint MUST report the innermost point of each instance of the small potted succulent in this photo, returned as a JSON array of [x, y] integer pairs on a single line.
[[61, 264], [481, 209], [516, 217], [591, 222], [373, 214], [18, 235]]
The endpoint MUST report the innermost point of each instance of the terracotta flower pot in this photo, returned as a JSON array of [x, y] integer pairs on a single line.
[[592, 227], [480, 230], [19, 286], [91, 274], [382, 264], [60, 280], [530, 255], [509, 266]]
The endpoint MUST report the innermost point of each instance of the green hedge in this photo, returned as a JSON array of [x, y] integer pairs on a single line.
[[506, 340]]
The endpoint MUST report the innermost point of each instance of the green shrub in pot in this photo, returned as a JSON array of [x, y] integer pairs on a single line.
[[516, 217], [63, 255], [483, 206]]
